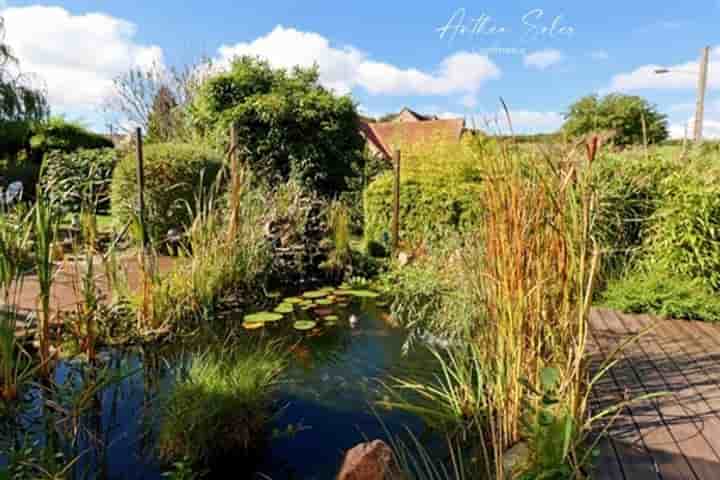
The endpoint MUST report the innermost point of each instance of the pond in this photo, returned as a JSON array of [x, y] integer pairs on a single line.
[[327, 402]]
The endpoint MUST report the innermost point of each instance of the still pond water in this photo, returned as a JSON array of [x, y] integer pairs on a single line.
[[327, 399]]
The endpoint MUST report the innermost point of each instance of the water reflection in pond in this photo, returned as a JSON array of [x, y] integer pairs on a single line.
[[332, 382]]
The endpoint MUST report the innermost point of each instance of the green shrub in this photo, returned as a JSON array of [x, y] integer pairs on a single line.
[[665, 294], [221, 409], [59, 134], [629, 189], [685, 234], [174, 174], [429, 207], [288, 124], [69, 177]]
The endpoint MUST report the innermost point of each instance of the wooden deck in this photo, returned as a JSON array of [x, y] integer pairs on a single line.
[[676, 436]]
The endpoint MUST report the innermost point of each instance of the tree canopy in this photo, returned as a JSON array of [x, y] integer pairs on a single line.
[[288, 124], [622, 114], [21, 105]]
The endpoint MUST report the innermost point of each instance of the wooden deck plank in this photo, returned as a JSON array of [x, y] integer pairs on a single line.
[[630, 447], [684, 409], [655, 433], [678, 434]]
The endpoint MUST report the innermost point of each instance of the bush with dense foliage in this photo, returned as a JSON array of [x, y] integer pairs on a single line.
[[288, 125], [83, 174], [440, 192], [59, 134], [665, 294], [174, 174], [685, 234], [659, 226], [622, 114], [629, 189], [429, 208]]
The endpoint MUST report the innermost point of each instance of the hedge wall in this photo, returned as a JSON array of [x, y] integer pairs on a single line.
[[174, 174], [429, 206]]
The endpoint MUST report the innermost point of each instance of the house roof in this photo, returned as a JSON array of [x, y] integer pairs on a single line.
[[419, 116], [387, 136]]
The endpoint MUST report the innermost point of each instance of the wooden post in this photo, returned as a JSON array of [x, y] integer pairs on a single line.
[[396, 204], [144, 311], [141, 188], [234, 183], [702, 86]]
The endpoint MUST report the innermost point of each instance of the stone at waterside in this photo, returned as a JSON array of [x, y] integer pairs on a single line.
[[369, 461]]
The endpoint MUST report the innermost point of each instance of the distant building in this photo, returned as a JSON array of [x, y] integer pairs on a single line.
[[407, 129]]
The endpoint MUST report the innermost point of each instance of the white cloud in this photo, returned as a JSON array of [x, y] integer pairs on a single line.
[[711, 129], [523, 121], [469, 101], [599, 55], [543, 59], [343, 68], [76, 56], [681, 76]]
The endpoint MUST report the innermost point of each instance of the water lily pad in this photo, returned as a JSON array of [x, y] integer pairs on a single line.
[[364, 294], [284, 308], [293, 300], [324, 301], [343, 304], [381, 303], [315, 294], [253, 325], [342, 293], [262, 317], [331, 318], [324, 312], [304, 325]]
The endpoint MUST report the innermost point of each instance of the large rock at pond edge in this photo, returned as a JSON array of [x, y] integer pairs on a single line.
[[368, 461]]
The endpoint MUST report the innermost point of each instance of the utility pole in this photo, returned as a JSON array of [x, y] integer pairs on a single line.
[[702, 86]]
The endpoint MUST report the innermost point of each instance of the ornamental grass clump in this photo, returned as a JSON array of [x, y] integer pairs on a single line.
[[220, 409], [523, 287], [531, 276]]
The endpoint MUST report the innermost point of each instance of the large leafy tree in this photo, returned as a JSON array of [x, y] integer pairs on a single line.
[[622, 114], [288, 124], [22, 106]]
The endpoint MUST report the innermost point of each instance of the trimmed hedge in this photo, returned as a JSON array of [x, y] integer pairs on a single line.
[[173, 176], [58, 134], [429, 207], [67, 177]]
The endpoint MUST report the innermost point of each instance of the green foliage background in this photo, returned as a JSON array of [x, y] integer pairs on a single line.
[[67, 175], [174, 174], [289, 126], [619, 113]]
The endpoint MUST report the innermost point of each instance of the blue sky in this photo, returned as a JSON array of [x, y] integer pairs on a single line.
[[538, 55]]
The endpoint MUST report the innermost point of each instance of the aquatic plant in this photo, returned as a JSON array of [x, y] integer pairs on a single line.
[[216, 262], [304, 325], [16, 366], [220, 409], [522, 283], [45, 226]]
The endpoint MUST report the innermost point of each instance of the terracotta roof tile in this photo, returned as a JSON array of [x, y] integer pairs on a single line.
[[388, 135]]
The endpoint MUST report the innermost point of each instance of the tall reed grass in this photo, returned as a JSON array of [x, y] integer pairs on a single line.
[[524, 281]]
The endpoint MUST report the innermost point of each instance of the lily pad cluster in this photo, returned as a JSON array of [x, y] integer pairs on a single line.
[[318, 302]]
